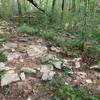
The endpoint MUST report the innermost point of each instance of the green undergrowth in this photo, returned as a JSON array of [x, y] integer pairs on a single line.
[[2, 40], [52, 35], [2, 72], [3, 57], [61, 91]]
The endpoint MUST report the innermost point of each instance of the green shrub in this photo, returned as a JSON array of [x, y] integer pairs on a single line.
[[27, 29], [2, 40], [3, 57]]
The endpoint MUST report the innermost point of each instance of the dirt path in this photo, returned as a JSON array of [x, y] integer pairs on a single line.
[[20, 48]]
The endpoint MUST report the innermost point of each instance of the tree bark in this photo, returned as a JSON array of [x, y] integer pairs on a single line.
[[63, 1], [36, 5], [73, 5], [19, 8], [53, 6]]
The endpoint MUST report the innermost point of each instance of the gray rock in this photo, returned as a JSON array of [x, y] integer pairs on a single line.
[[48, 75], [9, 77], [95, 67], [45, 76], [28, 70], [22, 76], [57, 64], [4, 67], [36, 51], [10, 45]]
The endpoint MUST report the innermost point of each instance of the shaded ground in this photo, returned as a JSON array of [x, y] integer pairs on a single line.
[[33, 88]]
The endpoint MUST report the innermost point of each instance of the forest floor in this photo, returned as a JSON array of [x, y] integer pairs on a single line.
[[24, 51]]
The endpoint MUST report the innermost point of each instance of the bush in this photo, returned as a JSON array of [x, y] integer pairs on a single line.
[[3, 57]]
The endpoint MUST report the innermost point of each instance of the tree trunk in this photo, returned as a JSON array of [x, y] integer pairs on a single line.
[[19, 8], [73, 6], [53, 6], [85, 14], [63, 1], [36, 5]]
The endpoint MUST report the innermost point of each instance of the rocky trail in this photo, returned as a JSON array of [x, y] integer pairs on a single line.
[[26, 70]]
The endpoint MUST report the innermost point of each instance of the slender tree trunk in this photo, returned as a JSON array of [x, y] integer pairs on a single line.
[[19, 8], [73, 5], [53, 6], [85, 13], [62, 13]]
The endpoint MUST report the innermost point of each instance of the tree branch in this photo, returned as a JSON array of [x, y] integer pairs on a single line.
[[36, 5]]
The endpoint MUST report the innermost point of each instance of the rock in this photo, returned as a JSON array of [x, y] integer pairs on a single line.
[[51, 75], [48, 57], [89, 81], [21, 60], [10, 45], [57, 64], [77, 64], [4, 67], [77, 59], [81, 74], [22, 76], [28, 70], [36, 51], [66, 83], [45, 76], [56, 49], [13, 50], [21, 39], [12, 56], [29, 98], [9, 77], [46, 68], [48, 75], [95, 67]]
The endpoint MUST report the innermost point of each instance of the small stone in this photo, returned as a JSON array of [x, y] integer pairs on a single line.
[[95, 67], [89, 81], [66, 83], [28, 70], [22, 76], [29, 98], [77, 64], [9, 77], [56, 49], [77, 59], [21, 60], [45, 76], [57, 64], [13, 50], [81, 74]]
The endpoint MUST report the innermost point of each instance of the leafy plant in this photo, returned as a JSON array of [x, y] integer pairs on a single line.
[[3, 57], [27, 29], [2, 72]]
